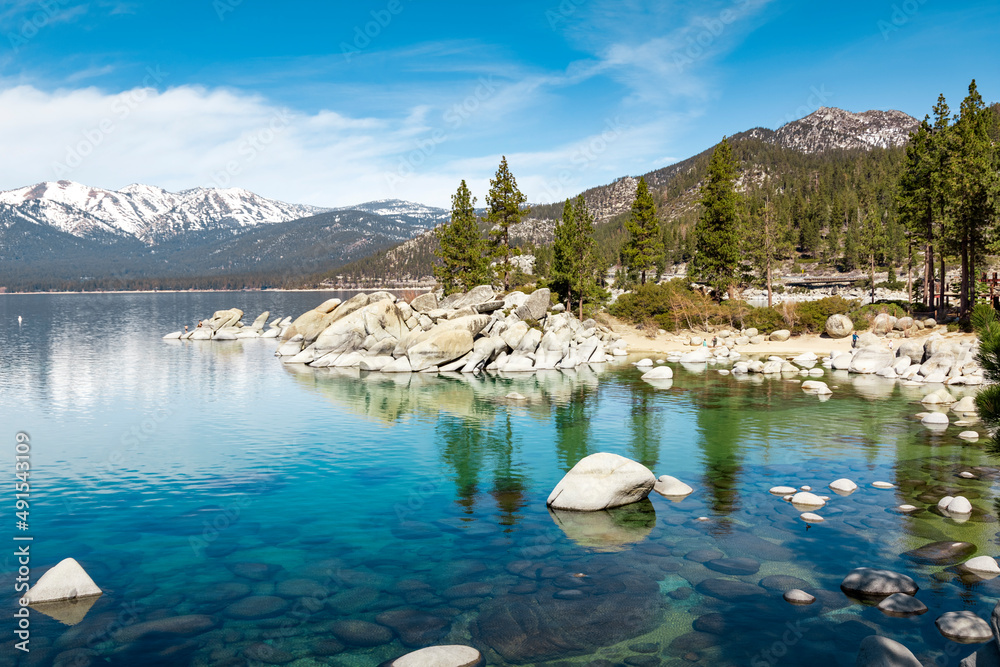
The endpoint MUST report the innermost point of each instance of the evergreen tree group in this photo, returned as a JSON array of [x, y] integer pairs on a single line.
[[574, 262], [465, 261]]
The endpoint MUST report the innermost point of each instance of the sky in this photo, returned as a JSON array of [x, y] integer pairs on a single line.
[[337, 103]]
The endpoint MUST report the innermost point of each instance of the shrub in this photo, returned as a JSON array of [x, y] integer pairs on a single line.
[[811, 316], [864, 316]]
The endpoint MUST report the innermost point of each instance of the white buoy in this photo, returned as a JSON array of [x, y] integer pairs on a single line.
[[18, 320]]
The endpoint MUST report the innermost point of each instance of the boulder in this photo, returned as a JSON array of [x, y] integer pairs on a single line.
[[798, 596], [870, 360], [878, 651], [982, 565], [439, 656], [901, 604], [903, 323], [514, 300], [659, 373], [425, 302], [536, 306], [439, 348], [868, 339], [781, 335], [67, 580], [942, 362], [475, 296], [965, 406], [935, 419], [806, 499], [309, 325], [959, 505], [839, 326], [328, 306], [401, 365], [602, 481], [941, 553], [843, 485], [911, 349], [671, 487], [842, 362], [866, 582], [173, 336], [883, 324], [258, 324], [964, 627], [224, 318]]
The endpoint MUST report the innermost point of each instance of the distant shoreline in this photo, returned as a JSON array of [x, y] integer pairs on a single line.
[[224, 291]]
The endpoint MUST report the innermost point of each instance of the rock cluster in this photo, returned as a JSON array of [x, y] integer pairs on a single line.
[[932, 360], [464, 333], [228, 325]]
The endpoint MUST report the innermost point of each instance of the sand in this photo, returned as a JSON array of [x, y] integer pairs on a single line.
[[820, 345]]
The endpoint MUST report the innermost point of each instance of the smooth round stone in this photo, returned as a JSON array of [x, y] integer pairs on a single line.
[[797, 596], [943, 503], [256, 606], [671, 487], [806, 499], [959, 505], [907, 508], [876, 651], [514, 396], [713, 623], [267, 654], [968, 435], [941, 553], [735, 566], [728, 589], [883, 485], [982, 564], [869, 582], [704, 555], [703, 518], [967, 475], [901, 604], [964, 627], [783, 582], [843, 485], [454, 655], [361, 633], [782, 490], [805, 488], [809, 517], [935, 419]]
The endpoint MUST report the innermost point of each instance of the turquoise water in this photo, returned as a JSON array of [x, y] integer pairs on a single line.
[[239, 511]]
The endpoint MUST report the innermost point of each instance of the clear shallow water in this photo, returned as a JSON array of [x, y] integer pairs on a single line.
[[323, 518]]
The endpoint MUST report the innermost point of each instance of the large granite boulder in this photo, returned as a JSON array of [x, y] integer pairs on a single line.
[[941, 362], [224, 318], [839, 326], [871, 360], [258, 324], [878, 651], [866, 582], [67, 580], [537, 305], [425, 303], [454, 655], [444, 345], [913, 349], [964, 627], [602, 481], [883, 324], [475, 296]]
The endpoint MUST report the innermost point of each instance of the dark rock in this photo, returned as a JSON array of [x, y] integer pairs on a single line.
[[736, 566], [643, 660], [682, 593], [361, 633], [415, 628], [222, 592], [267, 654], [783, 582], [728, 589], [472, 589], [714, 624], [865, 582], [256, 606], [172, 626], [646, 647], [301, 588], [900, 604], [254, 571], [326, 647], [704, 555], [941, 553], [693, 641]]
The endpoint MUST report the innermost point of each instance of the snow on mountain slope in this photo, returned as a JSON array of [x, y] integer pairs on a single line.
[[148, 213], [831, 129], [404, 212]]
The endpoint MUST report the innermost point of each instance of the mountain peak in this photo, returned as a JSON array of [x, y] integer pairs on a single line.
[[832, 128]]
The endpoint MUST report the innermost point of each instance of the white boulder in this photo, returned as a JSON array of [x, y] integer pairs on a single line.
[[67, 580], [602, 481]]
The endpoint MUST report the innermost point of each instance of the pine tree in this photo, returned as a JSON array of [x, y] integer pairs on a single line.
[[464, 260], [717, 258], [563, 259], [585, 264], [987, 327], [765, 239], [574, 260], [973, 187], [505, 202], [642, 250]]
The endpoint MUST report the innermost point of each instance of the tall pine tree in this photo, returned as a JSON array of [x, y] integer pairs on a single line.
[[464, 260], [505, 202], [717, 257], [574, 259], [643, 248]]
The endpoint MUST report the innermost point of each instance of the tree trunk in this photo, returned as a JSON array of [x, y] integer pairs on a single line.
[[871, 276], [929, 276], [643, 273], [942, 308], [964, 282], [909, 277], [769, 283]]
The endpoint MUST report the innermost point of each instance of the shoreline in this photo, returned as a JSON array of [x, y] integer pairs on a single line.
[[210, 291], [819, 344]]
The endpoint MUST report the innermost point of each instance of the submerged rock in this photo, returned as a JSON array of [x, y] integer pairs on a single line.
[[964, 627], [901, 604], [869, 582], [602, 481], [878, 651], [439, 656], [941, 553], [671, 487], [797, 596], [608, 530]]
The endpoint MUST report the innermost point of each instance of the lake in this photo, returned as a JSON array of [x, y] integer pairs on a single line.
[[236, 510]]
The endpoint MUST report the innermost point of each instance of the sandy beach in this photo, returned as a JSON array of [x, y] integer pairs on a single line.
[[820, 345]]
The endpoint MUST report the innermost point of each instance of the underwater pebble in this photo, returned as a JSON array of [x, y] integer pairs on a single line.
[[883, 485], [907, 508], [809, 517], [967, 475], [968, 435], [782, 490], [796, 596]]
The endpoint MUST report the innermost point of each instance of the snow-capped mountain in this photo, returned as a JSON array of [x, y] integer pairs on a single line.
[[830, 128], [404, 212], [147, 213]]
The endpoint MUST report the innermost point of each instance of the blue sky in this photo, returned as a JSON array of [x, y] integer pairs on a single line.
[[334, 103]]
